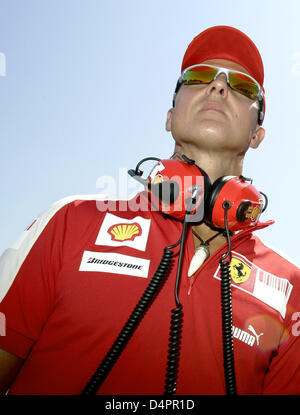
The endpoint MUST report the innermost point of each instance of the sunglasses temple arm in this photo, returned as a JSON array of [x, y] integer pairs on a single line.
[[178, 85]]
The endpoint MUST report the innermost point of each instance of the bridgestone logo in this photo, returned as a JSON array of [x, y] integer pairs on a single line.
[[114, 263]]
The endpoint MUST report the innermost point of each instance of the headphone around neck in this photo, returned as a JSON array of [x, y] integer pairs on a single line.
[[183, 190]]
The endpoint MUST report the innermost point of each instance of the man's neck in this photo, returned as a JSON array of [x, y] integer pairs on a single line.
[[215, 164], [205, 232]]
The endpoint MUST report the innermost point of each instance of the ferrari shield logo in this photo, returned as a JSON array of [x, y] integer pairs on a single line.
[[239, 270], [261, 284]]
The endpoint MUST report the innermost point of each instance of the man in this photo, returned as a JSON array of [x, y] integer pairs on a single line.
[[69, 284]]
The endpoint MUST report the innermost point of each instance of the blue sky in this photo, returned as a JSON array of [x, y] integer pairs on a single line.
[[88, 84]]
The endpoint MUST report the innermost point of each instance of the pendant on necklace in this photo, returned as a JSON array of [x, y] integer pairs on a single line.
[[201, 254]]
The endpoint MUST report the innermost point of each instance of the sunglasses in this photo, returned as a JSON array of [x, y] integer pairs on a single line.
[[238, 81]]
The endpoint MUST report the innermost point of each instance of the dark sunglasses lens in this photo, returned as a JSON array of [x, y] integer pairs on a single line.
[[244, 85], [199, 75]]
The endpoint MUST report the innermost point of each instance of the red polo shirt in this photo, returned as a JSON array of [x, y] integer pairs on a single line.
[[72, 279]]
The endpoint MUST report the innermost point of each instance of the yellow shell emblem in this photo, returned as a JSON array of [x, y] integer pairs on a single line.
[[255, 213], [124, 231], [239, 271]]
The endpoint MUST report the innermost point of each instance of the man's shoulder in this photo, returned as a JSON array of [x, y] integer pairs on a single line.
[[274, 259], [58, 210], [97, 204], [87, 208]]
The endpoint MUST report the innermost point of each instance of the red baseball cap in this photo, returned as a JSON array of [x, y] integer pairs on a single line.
[[225, 42]]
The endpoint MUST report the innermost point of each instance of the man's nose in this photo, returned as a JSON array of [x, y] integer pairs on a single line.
[[219, 86]]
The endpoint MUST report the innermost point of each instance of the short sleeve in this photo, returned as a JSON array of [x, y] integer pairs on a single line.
[[28, 271]]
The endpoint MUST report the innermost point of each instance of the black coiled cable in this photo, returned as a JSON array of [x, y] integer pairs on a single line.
[[174, 350], [132, 323], [228, 356], [175, 330]]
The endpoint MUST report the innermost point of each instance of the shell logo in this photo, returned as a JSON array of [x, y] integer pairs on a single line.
[[255, 213], [125, 231], [252, 213]]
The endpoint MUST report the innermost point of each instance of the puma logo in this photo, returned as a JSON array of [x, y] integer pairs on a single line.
[[257, 336], [246, 337]]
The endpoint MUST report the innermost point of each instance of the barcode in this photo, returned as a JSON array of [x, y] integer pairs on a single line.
[[276, 283]]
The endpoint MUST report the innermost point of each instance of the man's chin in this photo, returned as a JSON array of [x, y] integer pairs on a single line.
[[212, 128], [209, 137]]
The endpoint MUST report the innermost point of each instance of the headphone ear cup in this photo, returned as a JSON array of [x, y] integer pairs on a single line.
[[167, 192], [212, 198], [246, 203], [178, 188]]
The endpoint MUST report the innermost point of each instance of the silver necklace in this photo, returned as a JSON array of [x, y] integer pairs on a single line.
[[201, 253]]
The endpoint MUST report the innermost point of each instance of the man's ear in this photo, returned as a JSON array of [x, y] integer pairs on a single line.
[[169, 118], [257, 137]]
